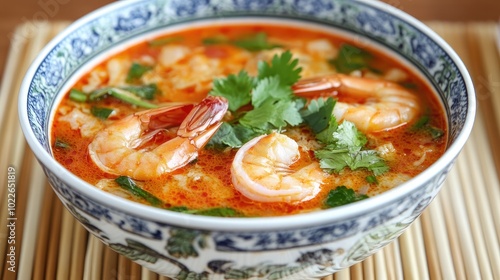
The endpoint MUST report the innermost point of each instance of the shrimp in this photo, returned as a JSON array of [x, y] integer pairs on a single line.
[[118, 149], [386, 105], [261, 171]]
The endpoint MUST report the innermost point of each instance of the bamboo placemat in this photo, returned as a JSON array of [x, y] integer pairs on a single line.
[[457, 237]]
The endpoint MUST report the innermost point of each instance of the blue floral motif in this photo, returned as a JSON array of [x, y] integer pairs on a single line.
[[137, 17], [51, 71], [85, 44], [424, 51], [184, 8], [380, 23], [313, 6], [253, 5]]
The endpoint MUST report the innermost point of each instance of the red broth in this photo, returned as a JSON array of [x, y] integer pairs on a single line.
[[183, 66]]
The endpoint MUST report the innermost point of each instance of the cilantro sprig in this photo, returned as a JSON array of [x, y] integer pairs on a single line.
[[268, 96], [344, 143], [342, 196]]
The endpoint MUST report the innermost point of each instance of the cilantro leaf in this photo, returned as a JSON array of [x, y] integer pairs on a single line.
[[348, 136], [136, 71], [272, 114], [101, 112], [255, 42], [214, 212], [128, 184], [351, 58], [326, 135], [342, 196], [345, 149], [270, 88], [232, 136], [282, 66], [235, 88], [318, 114]]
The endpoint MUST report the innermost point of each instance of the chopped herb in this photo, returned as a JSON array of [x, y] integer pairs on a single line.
[[134, 95], [233, 136], [77, 95], [98, 93], [61, 144], [235, 88], [256, 42], [100, 112], [215, 212], [136, 71], [216, 40], [342, 196], [130, 97], [371, 179], [283, 66], [128, 184], [423, 124], [344, 143], [164, 41], [273, 103], [351, 58], [147, 91], [318, 114]]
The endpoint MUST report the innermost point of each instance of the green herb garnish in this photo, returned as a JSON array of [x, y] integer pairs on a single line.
[[136, 71], [147, 91], [215, 212], [254, 42], [344, 143], [345, 149], [235, 88], [342, 196], [128, 96], [273, 104], [351, 58], [100, 112], [371, 179], [61, 144], [128, 184], [77, 95], [423, 124]]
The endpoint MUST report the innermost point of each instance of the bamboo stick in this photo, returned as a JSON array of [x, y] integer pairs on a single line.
[[343, 274], [78, 246], [408, 257], [64, 260], [42, 238], [110, 264], [31, 220], [55, 233], [368, 268], [89, 270]]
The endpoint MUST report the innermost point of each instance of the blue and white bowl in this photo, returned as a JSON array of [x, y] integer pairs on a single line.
[[304, 246]]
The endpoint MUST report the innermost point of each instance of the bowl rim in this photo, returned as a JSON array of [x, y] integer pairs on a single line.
[[260, 224]]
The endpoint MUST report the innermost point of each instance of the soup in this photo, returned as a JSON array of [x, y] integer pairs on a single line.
[[248, 121]]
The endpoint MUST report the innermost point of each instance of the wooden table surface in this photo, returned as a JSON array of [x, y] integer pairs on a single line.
[[13, 13]]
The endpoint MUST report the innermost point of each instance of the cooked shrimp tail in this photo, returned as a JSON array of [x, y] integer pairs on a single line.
[[122, 148], [374, 104]]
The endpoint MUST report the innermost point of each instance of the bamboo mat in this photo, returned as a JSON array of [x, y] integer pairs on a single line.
[[457, 237]]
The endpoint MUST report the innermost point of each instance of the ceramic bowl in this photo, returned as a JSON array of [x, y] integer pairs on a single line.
[[304, 246]]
